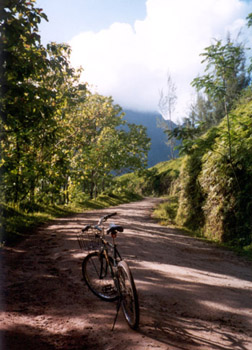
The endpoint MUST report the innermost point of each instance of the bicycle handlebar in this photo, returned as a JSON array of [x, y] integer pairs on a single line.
[[106, 217], [113, 228], [109, 215]]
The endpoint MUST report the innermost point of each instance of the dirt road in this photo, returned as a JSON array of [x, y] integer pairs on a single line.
[[192, 294]]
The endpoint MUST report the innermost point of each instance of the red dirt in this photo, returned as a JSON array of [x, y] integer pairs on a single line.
[[192, 294]]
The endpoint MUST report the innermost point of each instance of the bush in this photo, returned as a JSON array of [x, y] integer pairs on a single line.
[[167, 211], [227, 183], [216, 191], [191, 198]]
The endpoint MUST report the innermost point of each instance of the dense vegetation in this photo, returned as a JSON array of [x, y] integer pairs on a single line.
[[215, 195], [158, 180], [210, 187], [59, 142], [216, 178]]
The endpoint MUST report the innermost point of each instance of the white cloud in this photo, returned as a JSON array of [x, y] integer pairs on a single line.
[[131, 63]]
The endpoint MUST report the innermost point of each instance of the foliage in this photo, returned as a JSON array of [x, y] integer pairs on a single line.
[[36, 84], [102, 147], [55, 135], [228, 186], [156, 181], [225, 76], [224, 79], [215, 194], [215, 179], [249, 19], [202, 115], [166, 212], [19, 222]]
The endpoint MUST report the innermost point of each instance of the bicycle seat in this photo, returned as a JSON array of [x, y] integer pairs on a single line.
[[114, 228]]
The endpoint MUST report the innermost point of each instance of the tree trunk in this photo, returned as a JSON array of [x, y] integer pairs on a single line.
[[16, 188]]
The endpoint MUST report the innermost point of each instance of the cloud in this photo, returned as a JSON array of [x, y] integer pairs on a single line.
[[131, 63]]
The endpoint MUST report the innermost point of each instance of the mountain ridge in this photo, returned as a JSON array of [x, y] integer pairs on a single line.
[[159, 150]]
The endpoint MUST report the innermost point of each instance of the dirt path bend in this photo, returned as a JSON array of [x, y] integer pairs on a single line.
[[192, 295]]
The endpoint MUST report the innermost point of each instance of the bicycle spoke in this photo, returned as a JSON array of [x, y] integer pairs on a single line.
[[97, 275]]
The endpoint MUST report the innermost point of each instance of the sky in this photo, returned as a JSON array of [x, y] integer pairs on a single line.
[[127, 48]]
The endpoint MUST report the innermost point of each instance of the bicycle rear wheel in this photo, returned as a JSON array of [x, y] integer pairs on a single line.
[[128, 294], [98, 275]]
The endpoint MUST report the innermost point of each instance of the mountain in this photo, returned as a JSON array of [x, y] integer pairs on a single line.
[[159, 150]]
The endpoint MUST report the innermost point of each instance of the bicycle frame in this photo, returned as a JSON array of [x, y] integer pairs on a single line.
[[111, 267], [106, 245], [116, 258], [104, 249]]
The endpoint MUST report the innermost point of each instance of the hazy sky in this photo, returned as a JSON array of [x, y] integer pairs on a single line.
[[127, 47]]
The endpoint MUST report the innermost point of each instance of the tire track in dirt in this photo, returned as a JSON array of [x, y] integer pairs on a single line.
[[192, 294]]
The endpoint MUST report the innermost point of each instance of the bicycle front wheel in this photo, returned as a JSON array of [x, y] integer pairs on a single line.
[[128, 294], [98, 275]]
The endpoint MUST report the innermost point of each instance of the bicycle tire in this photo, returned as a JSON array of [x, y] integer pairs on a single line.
[[98, 276], [129, 295]]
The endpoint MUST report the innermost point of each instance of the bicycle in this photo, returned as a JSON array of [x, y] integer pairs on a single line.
[[106, 274]]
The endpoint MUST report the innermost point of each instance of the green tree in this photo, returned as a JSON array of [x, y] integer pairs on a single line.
[[197, 123], [225, 76], [55, 144], [201, 114], [22, 60], [104, 144], [54, 133], [37, 83]]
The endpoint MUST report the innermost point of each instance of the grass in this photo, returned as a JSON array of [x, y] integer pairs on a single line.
[[165, 213], [18, 223], [171, 166], [155, 181]]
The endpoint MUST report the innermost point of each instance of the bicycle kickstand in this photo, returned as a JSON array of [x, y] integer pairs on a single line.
[[117, 311]]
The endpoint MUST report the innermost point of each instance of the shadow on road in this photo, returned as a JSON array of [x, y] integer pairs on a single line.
[[192, 294]]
